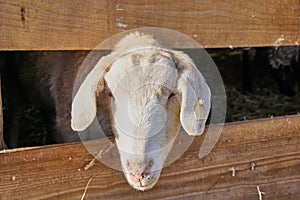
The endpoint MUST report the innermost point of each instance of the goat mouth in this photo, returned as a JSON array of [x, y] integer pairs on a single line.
[[144, 187], [141, 184]]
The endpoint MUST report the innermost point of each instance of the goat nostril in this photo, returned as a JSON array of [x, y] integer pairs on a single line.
[[148, 177], [143, 175]]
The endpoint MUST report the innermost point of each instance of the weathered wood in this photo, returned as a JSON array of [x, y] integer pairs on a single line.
[[56, 172], [70, 25], [2, 143]]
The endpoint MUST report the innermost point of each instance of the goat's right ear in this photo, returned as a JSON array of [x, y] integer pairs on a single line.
[[84, 102]]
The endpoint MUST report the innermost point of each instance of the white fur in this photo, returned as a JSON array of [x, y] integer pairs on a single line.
[[193, 88], [141, 77]]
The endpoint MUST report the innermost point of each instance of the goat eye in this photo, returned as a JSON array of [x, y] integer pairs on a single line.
[[171, 95], [110, 95]]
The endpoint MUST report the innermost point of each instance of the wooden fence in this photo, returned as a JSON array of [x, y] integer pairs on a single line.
[[265, 153], [68, 24], [272, 146]]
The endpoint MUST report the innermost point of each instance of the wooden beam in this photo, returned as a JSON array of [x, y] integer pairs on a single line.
[[81, 25], [273, 145]]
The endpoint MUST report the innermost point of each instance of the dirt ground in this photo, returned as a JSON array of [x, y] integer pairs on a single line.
[[264, 102]]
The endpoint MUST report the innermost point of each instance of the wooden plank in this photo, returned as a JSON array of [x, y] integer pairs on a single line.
[[2, 143], [56, 172], [81, 25]]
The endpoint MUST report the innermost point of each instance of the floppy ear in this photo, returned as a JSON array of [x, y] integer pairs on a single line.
[[195, 95], [84, 102]]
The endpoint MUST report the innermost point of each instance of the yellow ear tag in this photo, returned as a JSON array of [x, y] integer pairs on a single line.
[[200, 113]]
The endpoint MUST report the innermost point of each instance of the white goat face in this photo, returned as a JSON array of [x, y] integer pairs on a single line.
[[154, 90], [145, 112]]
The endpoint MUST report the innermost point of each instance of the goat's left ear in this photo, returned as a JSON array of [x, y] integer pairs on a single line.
[[195, 95]]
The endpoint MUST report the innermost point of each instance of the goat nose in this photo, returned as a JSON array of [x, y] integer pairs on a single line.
[[140, 176], [140, 171]]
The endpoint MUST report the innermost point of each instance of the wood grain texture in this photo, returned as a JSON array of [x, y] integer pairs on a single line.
[[81, 25], [56, 172]]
